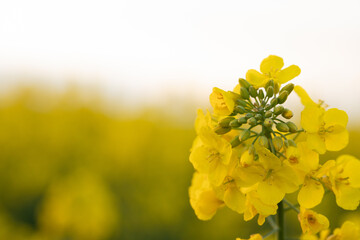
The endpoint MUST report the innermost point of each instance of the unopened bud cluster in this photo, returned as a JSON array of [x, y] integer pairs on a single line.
[[260, 107]]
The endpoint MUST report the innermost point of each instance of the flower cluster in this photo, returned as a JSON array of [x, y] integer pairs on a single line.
[[248, 156]]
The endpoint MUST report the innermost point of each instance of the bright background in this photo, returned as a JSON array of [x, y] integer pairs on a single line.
[[98, 99]]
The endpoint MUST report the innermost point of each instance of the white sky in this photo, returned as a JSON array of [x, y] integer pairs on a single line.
[[145, 51]]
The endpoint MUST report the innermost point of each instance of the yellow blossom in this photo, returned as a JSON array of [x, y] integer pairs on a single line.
[[271, 69], [222, 102], [325, 130], [345, 181], [252, 237], [348, 231], [312, 222], [202, 197], [254, 206], [278, 178], [210, 152]]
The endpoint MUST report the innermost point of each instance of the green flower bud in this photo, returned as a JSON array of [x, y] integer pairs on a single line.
[[268, 114], [225, 122], [268, 122], [251, 149], [277, 142], [244, 83], [273, 102], [282, 127], [239, 109], [252, 121], [235, 142], [276, 88], [222, 130], [270, 83], [292, 127], [270, 92], [244, 135], [244, 93], [252, 92], [241, 102], [263, 141], [278, 109], [242, 120], [282, 97], [261, 94], [235, 123], [291, 143], [289, 87], [287, 113], [286, 143], [258, 116], [249, 115]]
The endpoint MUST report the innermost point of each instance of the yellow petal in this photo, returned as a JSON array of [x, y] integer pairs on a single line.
[[316, 143], [235, 200], [347, 197], [336, 116], [304, 97], [351, 170], [222, 102], [311, 118], [199, 159], [237, 89], [337, 139], [271, 64], [311, 193], [288, 73], [217, 172], [270, 193], [255, 78]]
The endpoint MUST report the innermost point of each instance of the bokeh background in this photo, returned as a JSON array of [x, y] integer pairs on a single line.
[[98, 100]]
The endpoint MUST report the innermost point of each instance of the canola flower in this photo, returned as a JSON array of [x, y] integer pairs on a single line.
[[247, 155]]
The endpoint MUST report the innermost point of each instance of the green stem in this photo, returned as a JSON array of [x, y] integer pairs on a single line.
[[281, 222]]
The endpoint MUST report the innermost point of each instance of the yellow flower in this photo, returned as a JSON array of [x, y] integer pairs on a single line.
[[270, 68], [345, 181], [312, 222], [348, 231], [278, 178], [222, 102], [254, 206], [202, 197], [210, 153], [325, 130], [304, 97], [252, 237]]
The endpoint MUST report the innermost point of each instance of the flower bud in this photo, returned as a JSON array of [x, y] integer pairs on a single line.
[[292, 127], [263, 141], [261, 94], [278, 109], [244, 83], [270, 83], [244, 93], [282, 127], [273, 102], [277, 142], [225, 121], [251, 149], [291, 143], [276, 88], [252, 121], [252, 92], [289, 87], [268, 114], [222, 130], [239, 109], [241, 103], [244, 135], [270, 92], [268, 122], [242, 120], [249, 115], [286, 143], [235, 142], [235, 123], [258, 116], [287, 113], [282, 97]]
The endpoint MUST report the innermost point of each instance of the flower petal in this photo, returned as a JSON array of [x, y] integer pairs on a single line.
[[271, 64], [336, 116], [337, 139], [235, 199], [304, 97], [311, 118], [316, 143], [287, 74], [311, 194], [255, 78]]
